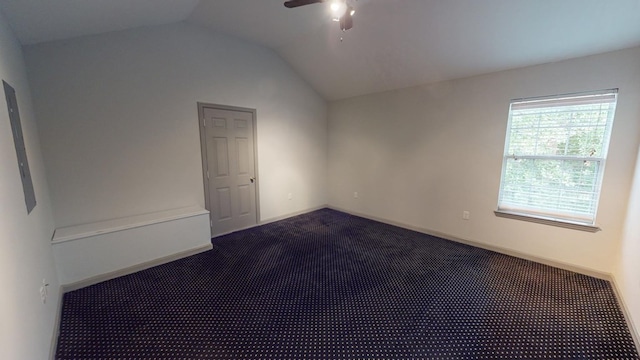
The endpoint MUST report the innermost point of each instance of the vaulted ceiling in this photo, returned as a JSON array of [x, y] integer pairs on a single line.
[[394, 43]]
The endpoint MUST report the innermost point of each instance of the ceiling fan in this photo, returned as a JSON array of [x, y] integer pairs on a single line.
[[342, 11]]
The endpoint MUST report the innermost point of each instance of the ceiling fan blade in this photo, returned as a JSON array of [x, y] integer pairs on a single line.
[[295, 3], [346, 21]]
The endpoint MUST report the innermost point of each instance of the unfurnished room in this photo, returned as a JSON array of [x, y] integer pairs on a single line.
[[320, 179]]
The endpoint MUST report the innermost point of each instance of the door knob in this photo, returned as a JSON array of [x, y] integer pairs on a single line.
[[252, 180]]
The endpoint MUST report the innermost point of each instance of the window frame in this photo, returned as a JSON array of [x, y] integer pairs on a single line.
[[538, 215]]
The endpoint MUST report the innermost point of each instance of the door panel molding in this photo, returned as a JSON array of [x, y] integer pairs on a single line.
[[208, 172]]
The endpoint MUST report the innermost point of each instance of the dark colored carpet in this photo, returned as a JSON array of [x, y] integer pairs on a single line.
[[327, 285]]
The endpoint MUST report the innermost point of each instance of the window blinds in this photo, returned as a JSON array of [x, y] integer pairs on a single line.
[[554, 157]]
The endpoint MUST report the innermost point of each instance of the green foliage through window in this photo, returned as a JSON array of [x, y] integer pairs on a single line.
[[554, 156]]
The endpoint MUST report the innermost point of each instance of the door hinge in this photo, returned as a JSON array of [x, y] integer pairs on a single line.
[[210, 223], [207, 174], [204, 122]]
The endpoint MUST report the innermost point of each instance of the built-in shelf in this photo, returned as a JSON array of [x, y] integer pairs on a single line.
[[76, 232]]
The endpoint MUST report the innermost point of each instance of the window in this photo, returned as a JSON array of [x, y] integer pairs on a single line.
[[554, 157], [21, 152]]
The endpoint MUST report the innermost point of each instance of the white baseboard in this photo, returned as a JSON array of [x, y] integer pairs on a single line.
[[132, 269], [498, 249], [274, 219], [56, 326], [145, 265], [589, 272], [561, 265], [278, 218], [104, 277], [625, 311]]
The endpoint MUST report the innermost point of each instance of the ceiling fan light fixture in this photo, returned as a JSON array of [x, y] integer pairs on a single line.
[[342, 11], [338, 9]]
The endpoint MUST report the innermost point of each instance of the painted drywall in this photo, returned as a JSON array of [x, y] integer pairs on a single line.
[[627, 269], [421, 156], [119, 128], [26, 325]]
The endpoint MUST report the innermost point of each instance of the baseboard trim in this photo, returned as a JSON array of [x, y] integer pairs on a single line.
[[131, 269], [550, 262], [635, 334], [274, 219], [278, 218], [53, 348]]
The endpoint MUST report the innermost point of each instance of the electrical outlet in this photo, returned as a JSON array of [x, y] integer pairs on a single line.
[[290, 196], [465, 215], [355, 194], [44, 291]]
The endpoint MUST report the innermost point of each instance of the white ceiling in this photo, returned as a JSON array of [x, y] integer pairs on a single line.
[[36, 21], [394, 43]]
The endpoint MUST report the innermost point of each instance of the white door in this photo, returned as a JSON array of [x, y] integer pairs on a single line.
[[230, 169]]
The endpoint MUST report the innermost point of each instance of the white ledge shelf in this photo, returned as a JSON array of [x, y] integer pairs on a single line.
[[546, 221], [76, 232]]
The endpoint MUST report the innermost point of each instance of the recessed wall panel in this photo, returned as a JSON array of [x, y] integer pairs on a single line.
[[222, 157], [242, 145], [224, 203], [220, 123], [241, 123], [244, 193]]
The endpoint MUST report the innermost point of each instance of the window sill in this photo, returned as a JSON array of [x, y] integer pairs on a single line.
[[546, 221]]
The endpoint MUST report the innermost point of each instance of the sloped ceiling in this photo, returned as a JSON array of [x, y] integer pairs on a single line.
[[394, 43], [36, 21]]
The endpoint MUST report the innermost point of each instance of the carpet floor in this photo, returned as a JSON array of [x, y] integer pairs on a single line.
[[327, 285]]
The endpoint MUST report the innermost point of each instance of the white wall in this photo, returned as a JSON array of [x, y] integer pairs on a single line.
[[627, 271], [119, 129], [420, 156], [26, 325]]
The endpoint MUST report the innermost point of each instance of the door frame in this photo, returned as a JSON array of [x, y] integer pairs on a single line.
[[205, 163]]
